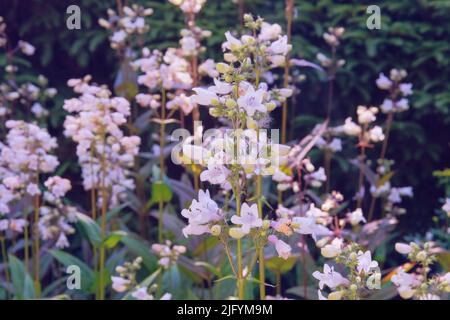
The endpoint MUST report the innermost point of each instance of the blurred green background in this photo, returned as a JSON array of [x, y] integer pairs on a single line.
[[414, 35]]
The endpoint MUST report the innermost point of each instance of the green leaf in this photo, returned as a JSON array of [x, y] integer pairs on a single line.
[[444, 260], [21, 280], [113, 239], [229, 277], [89, 228], [87, 274], [215, 271], [160, 192], [278, 264]]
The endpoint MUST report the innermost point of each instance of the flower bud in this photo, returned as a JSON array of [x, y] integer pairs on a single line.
[[337, 295], [421, 256], [271, 106], [230, 103], [216, 230], [402, 248], [236, 233], [266, 224], [222, 67]]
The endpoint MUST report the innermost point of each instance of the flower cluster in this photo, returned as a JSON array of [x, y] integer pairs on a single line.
[[15, 94], [419, 284], [397, 91], [363, 272], [126, 282], [189, 6], [56, 217], [129, 22], [104, 152], [332, 38], [168, 254], [168, 71], [25, 155]]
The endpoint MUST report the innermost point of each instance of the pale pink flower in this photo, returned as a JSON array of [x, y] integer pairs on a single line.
[[329, 278], [282, 248], [248, 219]]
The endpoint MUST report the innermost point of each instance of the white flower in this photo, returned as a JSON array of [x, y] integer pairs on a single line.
[[252, 101], [280, 46], [215, 174], [406, 283], [308, 225], [282, 248], [142, 294], [333, 249], [356, 217], [208, 67], [58, 186], [200, 214], [396, 194], [232, 43], [248, 219], [120, 284], [365, 262], [26, 48], [269, 31], [203, 97], [446, 206], [220, 87], [403, 248], [119, 36], [351, 128], [383, 82], [329, 277], [376, 134], [406, 89], [387, 106], [366, 115]]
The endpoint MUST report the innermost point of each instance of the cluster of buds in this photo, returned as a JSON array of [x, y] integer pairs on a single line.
[[167, 253], [56, 217], [104, 152], [129, 22], [163, 71], [396, 102], [363, 273], [189, 6], [126, 281], [190, 40], [23, 46], [31, 95], [419, 284], [363, 129], [332, 38], [126, 278]]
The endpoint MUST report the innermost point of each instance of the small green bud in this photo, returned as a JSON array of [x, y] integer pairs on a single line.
[[222, 67], [230, 103]]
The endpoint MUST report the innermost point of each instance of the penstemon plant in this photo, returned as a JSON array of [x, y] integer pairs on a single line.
[[248, 202]]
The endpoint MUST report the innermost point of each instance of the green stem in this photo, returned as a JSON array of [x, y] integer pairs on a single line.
[[262, 288], [162, 129], [37, 284], [278, 281], [103, 221], [26, 241], [240, 278], [5, 262]]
